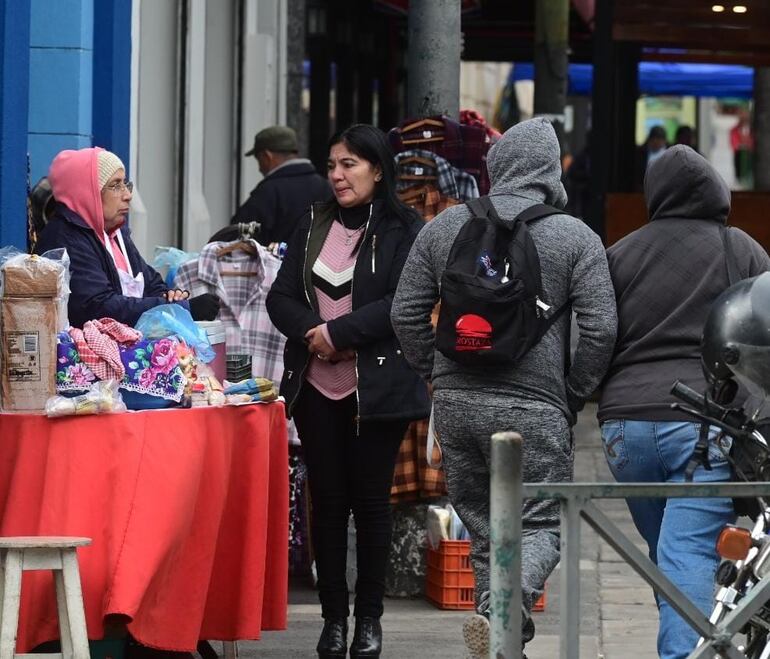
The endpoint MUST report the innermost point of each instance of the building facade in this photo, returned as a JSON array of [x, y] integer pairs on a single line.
[[176, 88]]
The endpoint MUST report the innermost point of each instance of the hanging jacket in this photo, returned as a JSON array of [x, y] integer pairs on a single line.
[[387, 387]]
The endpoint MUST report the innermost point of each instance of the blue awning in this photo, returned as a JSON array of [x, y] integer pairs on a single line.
[[664, 79]]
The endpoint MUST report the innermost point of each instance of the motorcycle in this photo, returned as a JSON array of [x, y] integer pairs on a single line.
[[745, 552]]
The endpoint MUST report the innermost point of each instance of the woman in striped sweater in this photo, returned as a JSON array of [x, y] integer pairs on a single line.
[[346, 382]]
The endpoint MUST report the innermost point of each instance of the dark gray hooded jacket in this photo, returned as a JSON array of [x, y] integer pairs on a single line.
[[666, 275], [525, 169]]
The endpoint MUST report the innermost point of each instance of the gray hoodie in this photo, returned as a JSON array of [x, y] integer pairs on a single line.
[[666, 275], [525, 169]]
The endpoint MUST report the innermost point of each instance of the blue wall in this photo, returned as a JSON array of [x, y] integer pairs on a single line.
[[112, 77], [61, 79], [65, 83], [14, 89]]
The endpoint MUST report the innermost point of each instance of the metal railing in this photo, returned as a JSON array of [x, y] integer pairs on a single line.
[[507, 494]]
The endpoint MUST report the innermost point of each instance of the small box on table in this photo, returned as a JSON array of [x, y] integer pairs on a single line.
[[28, 352]]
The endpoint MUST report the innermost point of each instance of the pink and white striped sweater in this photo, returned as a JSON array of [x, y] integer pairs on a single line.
[[333, 282]]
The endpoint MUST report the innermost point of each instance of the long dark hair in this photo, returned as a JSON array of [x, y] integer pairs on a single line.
[[370, 143]]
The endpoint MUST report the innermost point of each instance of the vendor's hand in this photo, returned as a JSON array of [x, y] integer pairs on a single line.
[[176, 295], [342, 356], [317, 344]]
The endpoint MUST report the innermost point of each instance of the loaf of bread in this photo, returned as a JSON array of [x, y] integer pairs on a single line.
[[32, 276]]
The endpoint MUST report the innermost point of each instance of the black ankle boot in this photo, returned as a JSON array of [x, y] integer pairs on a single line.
[[333, 643], [367, 639]]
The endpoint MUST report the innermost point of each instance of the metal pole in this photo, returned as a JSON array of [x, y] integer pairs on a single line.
[[434, 58], [505, 547], [762, 128], [551, 44], [569, 613]]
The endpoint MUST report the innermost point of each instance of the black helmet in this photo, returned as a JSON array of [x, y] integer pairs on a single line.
[[736, 337]]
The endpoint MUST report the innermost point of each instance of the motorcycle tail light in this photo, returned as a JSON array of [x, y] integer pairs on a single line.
[[734, 543]]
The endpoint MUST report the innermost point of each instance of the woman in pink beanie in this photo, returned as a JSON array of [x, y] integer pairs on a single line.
[[108, 276]]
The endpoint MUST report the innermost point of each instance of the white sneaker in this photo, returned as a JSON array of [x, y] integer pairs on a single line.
[[476, 636]]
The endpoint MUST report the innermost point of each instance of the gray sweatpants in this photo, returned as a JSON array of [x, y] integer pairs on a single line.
[[465, 423]]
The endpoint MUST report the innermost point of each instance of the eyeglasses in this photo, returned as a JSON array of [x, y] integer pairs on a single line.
[[120, 186]]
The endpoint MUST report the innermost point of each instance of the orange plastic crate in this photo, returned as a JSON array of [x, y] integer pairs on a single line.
[[449, 582], [451, 555]]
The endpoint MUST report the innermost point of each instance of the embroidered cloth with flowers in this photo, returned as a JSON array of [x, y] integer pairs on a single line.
[[106, 349]]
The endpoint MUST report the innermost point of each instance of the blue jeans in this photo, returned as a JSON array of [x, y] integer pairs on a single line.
[[680, 533]]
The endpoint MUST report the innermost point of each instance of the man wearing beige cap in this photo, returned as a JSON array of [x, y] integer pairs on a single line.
[[289, 186]]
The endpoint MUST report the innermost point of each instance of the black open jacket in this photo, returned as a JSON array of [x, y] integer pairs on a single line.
[[388, 389]]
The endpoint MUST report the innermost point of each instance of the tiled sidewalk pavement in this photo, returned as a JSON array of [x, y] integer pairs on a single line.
[[618, 615]]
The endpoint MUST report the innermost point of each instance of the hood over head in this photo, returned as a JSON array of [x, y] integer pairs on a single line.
[[74, 178], [526, 161], [682, 184]]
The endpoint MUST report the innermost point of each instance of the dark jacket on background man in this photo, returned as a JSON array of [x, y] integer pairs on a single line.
[[94, 280], [282, 198], [387, 387], [666, 276]]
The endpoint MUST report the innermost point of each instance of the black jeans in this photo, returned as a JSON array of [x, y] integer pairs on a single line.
[[348, 471]]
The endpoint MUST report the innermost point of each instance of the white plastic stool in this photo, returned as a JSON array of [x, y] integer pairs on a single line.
[[43, 553]]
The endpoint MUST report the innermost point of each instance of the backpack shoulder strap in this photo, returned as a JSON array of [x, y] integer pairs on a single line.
[[476, 207], [733, 274], [482, 207]]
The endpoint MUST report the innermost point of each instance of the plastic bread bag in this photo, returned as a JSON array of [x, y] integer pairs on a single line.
[[102, 398], [60, 256], [32, 276], [437, 523]]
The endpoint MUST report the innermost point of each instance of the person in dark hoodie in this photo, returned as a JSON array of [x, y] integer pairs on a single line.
[[108, 276], [289, 186], [534, 397], [666, 276]]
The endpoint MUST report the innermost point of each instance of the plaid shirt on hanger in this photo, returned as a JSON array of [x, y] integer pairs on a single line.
[[427, 200], [467, 188], [247, 325], [248, 329], [445, 173]]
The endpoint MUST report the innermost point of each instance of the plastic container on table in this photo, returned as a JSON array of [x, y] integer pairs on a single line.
[[215, 330]]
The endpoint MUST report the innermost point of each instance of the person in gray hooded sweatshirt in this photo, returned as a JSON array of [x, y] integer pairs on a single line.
[[666, 276], [535, 397]]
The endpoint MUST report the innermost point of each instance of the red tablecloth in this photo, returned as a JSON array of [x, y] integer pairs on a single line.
[[187, 509]]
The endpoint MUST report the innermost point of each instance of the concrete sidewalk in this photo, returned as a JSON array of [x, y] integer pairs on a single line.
[[618, 615]]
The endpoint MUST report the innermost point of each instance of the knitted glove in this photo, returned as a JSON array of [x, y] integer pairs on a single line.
[[204, 307]]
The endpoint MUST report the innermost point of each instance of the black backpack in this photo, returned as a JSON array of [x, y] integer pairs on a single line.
[[492, 308]]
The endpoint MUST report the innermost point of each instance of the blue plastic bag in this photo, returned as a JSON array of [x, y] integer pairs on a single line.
[[168, 259], [168, 319]]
